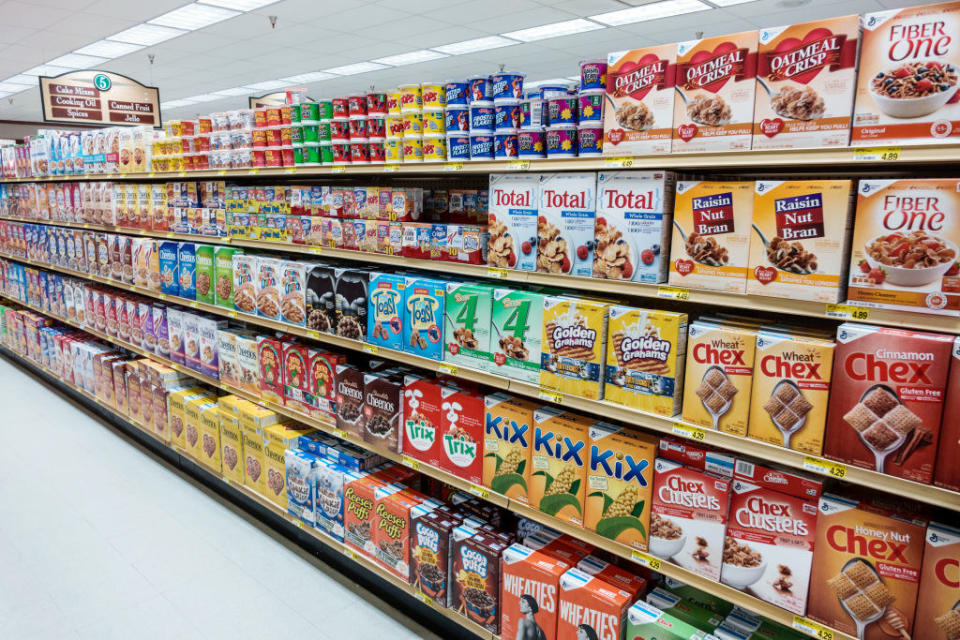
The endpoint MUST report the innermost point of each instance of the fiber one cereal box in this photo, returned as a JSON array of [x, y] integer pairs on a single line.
[[467, 325], [710, 248], [573, 340], [516, 319], [907, 87], [905, 239], [646, 621], [716, 82], [620, 479], [646, 354], [514, 200], [559, 457], [947, 474], [508, 436], [800, 232], [530, 581], [566, 223], [867, 568], [719, 376], [423, 309], [938, 611], [634, 210], [591, 608], [385, 315], [639, 117], [808, 77]]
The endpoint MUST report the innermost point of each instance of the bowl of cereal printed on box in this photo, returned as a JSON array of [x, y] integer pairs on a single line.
[[914, 89], [909, 259]]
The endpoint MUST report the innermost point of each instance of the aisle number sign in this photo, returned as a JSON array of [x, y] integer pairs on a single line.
[[99, 97]]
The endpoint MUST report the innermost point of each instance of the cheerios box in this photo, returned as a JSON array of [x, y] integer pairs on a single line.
[[385, 313], [572, 346], [639, 117], [193, 410], [566, 223], [231, 446], [514, 202], [209, 445], [516, 320], [423, 309], [467, 325], [507, 445], [559, 459], [277, 439]]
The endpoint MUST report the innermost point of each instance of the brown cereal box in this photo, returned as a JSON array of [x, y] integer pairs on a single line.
[[559, 458], [530, 582], [947, 472], [591, 608], [938, 611], [572, 351], [638, 119], [475, 576], [508, 436]]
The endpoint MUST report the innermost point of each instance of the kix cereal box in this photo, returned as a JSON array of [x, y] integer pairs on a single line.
[[423, 308], [573, 340], [559, 463], [620, 483], [514, 201], [639, 117], [711, 235], [467, 325], [590, 608], [385, 315], [516, 318], [938, 611], [800, 232], [646, 354], [508, 436]]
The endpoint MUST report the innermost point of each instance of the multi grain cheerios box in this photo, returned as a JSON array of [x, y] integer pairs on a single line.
[[508, 438], [566, 223], [807, 79], [938, 613], [639, 117], [573, 341], [799, 239], [514, 201], [559, 459]]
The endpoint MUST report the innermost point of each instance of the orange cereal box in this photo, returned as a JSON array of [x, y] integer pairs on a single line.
[[807, 77], [590, 608], [573, 340], [716, 82], [508, 434], [904, 253], [639, 117], [907, 87], [711, 235], [938, 611], [800, 232], [530, 581], [559, 463]]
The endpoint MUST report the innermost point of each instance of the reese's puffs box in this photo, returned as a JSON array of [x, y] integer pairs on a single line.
[[938, 611]]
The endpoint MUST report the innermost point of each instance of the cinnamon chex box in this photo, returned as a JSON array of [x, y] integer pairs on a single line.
[[946, 473]]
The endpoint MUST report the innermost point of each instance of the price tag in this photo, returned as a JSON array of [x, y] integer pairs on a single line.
[[551, 396], [297, 522], [497, 273], [877, 154], [453, 166], [811, 628], [162, 296], [313, 334], [194, 305], [290, 170], [338, 168], [171, 234], [646, 560], [673, 293], [825, 467], [121, 175], [181, 174], [86, 226], [410, 462], [339, 433], [694, 433], [372, 349], [232, 314], [253, 172], [390, 168], [419, 595], [221, 172], [448, 369], [350, 553], [624, 162], [518, 165], [847, 312], [316, 250], [149, 175], [480, 492]]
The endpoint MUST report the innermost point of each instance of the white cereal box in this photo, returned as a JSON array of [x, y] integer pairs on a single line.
[[514, 200], [638, 118], [566, 223]]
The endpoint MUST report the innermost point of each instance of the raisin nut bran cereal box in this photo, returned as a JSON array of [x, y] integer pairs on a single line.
[[808, 77], [590, 608], [508, 435], [514, 200], [947, 473], [938, 611], [573, 340], [516, 317], [715, 82], [711, 235], [867, 569], [639, 120], [530, 584], [558, 459], [566, 223]]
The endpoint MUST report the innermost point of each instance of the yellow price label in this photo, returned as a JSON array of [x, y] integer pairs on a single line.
[[338, 168], [162, 296], [221, 172], [313, 334], [86, 226], [622, 161], [232, 314], [339, 433], [181, 174], [410, 462], [316, 250], [811, 628], [350, 553], [646, 560], [551, 396], [694, 433], [498, 273], [419, 595], [390, 168], [453, 166], [673, 293], [253, 172], [290, 170], [171, 234], [518, 165], [877, 154], [448, 369], [480, 492], [825, 467], [194, 305], [372, 349], [847, 312]]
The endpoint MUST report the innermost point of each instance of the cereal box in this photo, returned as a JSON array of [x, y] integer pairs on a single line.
[[301, 501], [947, 473], [905, 239], [800, 232], [646, 621], [293, 275], [515, 342], [350, 415], [352, 286], [888, 394], [382, 408], [328, 478], [430, 553], [231, 447], [514, 203], [206, 275], [169, 268], [423, 310], [268, 282], [209, 444], [462, 433], [422, 418], [938, 611], [869, 559], [270, 358], [715, 82], [529, 594], [223, 275], [321, 298], [907, 86], [711, 235], [646, 354], [187, 270], [475, 576], [688, 612], [358, 498], [467, 325], [566, 223], [573, 341], [638, 119], [296, 376], [791, 387], [688, 517], [385, 313], [591, 608], [248, 359], [620, 479], [807, 76], [559, 459], [508, 435]]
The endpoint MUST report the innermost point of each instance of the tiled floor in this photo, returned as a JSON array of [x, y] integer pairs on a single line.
[[100, 540]]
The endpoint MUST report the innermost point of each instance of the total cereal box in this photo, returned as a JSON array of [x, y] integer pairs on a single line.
[[516, 318], [800, 233], [867, 568], [907, 87], [566, 223], [508, 436], [808, 77], [559, 458], [947, 473], [905, 238], [638, 120], [514, 200], [530, 582], [938, 611], [710, 246], [590, 608], [715, 83], [573, 341]]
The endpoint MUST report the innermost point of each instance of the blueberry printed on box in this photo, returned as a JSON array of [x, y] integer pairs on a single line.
[[514, 200], [385, 312], [423, 316], [169, 268], [565, 226], [187, 270]]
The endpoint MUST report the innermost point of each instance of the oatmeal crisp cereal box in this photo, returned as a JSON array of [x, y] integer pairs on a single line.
[[515, 340], [646, 354], [688, 517], [620, 483], [791, 387], [638, 119], [634, 210], [938, 611], [508, 435], [245, 273], [947, 473], [888, 395], [293, 275], [559, 457], [807, 75], [514, 202], [711, 235], [907, 86], [566, 223], [905, 239], [467, 325], [867, 568], [590, 607], [715, 83], [800, 232], [573, 341], [423, 310], [385, 313], [529, 587], [719, 376]]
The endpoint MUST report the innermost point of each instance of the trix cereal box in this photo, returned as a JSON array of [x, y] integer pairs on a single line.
[[508, 435], [529, 595], [800, 231], [947, 473], [887, 400], [938, 611], [907, 86], [462, 433], [716, 82], [646, 353], [590, 608], [905, 238], [514, 200], [808, 76], [467, 324], [711, 235], [573, 339], [423, 308], [385, 315], [639, 118], [422, 418], [559, 456], [634, 210], [515, 343], [867, 569], [565, 226]]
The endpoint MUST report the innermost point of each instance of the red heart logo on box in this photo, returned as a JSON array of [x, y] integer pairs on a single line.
[[701, 57], [765, 275], [500, 359], [684, 267], [687, 131], [771, 126], [615, 136], [630, 67], [795, 44]]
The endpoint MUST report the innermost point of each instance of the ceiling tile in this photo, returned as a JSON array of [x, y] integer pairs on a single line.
[[359, 19], [21, 14], [10, 34], [135, 11]]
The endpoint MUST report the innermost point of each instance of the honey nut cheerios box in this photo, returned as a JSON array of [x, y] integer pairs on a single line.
[[572, 346], [800, 233], [639, 117], [508, 440], [807, 77], [710, 246], [559, 458], [938, 611]]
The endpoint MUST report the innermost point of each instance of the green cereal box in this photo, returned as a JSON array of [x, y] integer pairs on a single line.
[[223, 275], [515, 336], [646, 621], [205, 274], [467, 324]]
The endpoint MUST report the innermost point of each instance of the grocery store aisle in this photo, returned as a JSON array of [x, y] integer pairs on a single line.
[[100, 540]]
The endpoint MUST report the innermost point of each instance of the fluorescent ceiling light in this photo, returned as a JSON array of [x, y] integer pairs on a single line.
[[729, 3], [554, 30], [173, 104], [108, 49], [46, 70], [193, 16], [236, 91], [146, 34], [4, 95], [314, 76], [412, 57], [353, 69], [13, 88], [477, 44], [239, 5], [77, 61], [650, 12], [267, 85], [22, 79]]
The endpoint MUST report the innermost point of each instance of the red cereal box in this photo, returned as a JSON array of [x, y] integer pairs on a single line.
[[461, 433], [591, 608], [296, 375], [393, 514], [422, 417], [610, 573], [359, 494], [947, 472], [528, 598], [270, 356], [938, 611]]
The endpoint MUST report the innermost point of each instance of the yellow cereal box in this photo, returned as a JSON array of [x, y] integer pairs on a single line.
[[193, 410], [573, 340], [254, 416], [645, 359], [791, 386], [231, 445], [559, 456], [277, 439], [178, 418], [718, 381], [711, 235], [620, 484], [210, 437], [253, 460], [800, 232], [508, 434]]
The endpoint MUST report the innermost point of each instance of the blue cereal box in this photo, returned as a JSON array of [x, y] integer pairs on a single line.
[[423, 316], [329, 478], [300, 488], [187, 270], [385, 314], [169, 268]]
